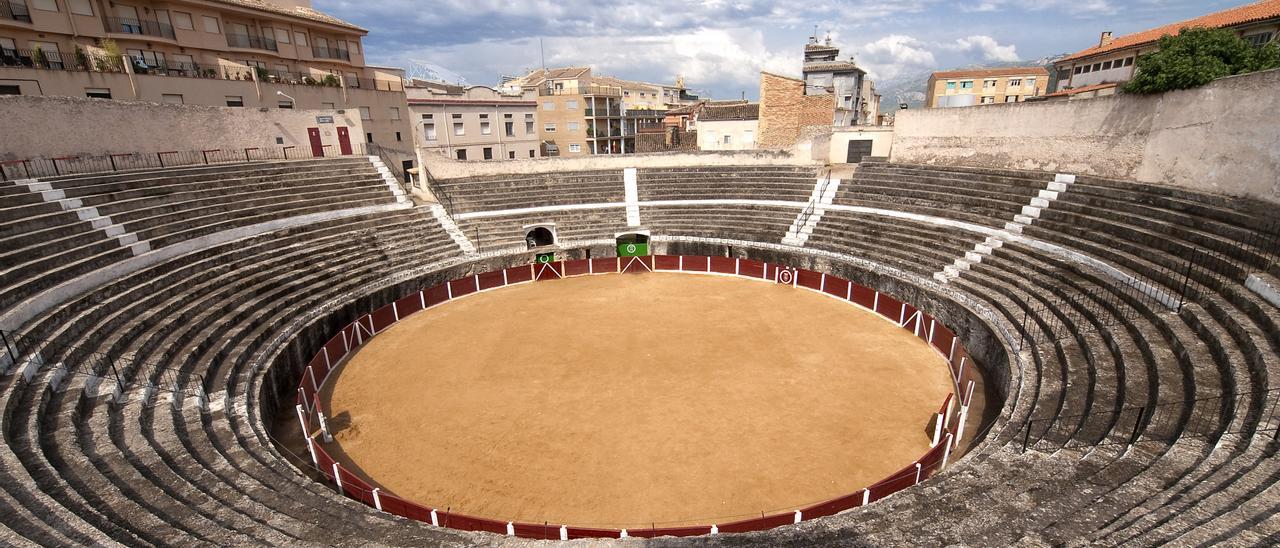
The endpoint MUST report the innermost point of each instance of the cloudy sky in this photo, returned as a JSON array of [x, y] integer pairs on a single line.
[[720, 46]]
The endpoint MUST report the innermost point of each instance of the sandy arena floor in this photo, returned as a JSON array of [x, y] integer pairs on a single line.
[[625, 400]]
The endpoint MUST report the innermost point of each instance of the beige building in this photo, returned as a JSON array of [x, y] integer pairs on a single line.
[[237, 53], [474, 123], [963, 88], [1113, 60], [581, 113], [728, 127]]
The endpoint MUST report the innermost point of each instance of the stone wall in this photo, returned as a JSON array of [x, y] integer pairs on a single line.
[[445, 168], [1218, 138], [787, 114], [43, 127]]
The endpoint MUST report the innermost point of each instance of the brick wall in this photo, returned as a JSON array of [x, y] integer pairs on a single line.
[[786, 113]]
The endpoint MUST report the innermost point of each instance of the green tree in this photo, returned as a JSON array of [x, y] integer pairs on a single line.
[[1197, 56]]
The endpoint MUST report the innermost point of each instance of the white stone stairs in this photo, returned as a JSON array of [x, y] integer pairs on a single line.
[[1029, 214], [392, 183], [451, 227], [824, 192], [87, 214]]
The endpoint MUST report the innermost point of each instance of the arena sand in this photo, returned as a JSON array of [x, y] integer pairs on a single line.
[[631, 400]]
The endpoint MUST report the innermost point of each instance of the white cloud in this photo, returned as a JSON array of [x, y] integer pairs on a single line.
[[895, 54], [988, 47], [1072, 7]]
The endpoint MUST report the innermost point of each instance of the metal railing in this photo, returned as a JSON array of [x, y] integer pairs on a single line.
[[1209, 418], [1232, 260], [16, 11], [320, 52], [38, 59], [107, 373], [251, 42], [142, 27], [31, 168]]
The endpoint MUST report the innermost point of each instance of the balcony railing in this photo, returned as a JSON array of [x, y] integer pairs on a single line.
[[251, 42], [14, 11], [32, 59], [320, 52], [145, 28]]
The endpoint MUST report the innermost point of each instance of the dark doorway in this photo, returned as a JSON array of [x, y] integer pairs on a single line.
[[858, 150], [539, 236]]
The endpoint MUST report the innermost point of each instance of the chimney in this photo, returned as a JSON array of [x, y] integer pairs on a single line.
[[1105, 39]]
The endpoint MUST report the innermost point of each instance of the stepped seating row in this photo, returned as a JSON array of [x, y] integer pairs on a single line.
[[498, 192], [1099, 366], [790, 183], [44, 243], [989, 199], [166, 476]]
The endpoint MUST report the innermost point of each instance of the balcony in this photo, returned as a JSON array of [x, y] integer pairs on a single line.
[[14, 11], [251, 42], [321, 52], [36, 59], [144, 28]]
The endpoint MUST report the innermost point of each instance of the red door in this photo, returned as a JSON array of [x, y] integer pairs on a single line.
[[317, 148], [344, 141]]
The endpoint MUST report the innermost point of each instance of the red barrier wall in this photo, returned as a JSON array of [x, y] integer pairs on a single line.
[[336, 348]]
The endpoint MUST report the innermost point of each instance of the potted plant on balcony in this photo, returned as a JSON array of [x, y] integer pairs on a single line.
[[331, 81], [309, 81], [261, 73], [37, 57], [82, 60]]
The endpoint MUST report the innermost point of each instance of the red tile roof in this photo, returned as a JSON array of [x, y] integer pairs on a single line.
[[991, 72], [1260, 11]]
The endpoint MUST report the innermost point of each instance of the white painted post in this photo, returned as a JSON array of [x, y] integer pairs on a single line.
[[422, 295], [324, 427], [311, 448], [959, 376], [302, 421], [504, 277], [476, 279], [964, 414], [902, 315], [564, 533], [866, 497], [946, 453], [591, 269], [795, 278], [377, 499], [435, 521], [764, 274], [822, 286], [968, 398], [715, 529], [933, 324], [737, 267], [952, 354], [327, 364], [315, 387], [918, 469], [848, 292], [511, 529], [798, 517], [947, 420], [395, 310], [681, 262], [337, 478], [302, 395], [937, 431], [875, 303], [448, 287], [623, 534]]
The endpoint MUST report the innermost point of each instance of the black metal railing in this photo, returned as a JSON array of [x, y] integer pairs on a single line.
[[113, 374], [15, 11], [37, 58], [251, 42], [31, 168], [1207, 418], [139, 26], [321, 52], [1233, 260]]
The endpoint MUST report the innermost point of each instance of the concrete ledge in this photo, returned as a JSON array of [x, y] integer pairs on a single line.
[[1265, 286]]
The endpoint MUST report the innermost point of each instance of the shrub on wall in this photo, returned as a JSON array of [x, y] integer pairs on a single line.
[[1197, 56]]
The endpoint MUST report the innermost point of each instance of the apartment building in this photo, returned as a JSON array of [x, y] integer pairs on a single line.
[[1112, 60], [581, 113], [238, 53], [826, 74], [474, 122], [963, 88]]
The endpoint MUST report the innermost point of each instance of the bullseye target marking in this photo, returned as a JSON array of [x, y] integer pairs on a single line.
[[631, 248], [785, 276]]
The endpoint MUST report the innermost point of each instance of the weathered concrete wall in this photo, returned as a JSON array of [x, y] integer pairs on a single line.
[[42, 127], [445, 168], [1223, 137], [836, 148]]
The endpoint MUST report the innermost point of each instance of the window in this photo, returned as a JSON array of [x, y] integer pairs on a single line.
[[461, 154], [182, 20], [368, 137], [364, 114], [548, 105], [300, 38], [511, 155], [549, 127], [430, 130], [571, 126], [528, 124], [571, 105], [531, 153], [1128, 61], [510, 128], [235, 101], [45, 5], [506, 116], [967, 84], [484, 116], [1011, 99], [1015, 82], [1078, 69], [1257, 40], [1096, 67], [284, 104], [395, 113], [397, 136], [354, 48], [210, 24], [987, 100], [427, 116], [951, 85], [15, 90], [575, 147], [171, 98], [282, 36], [484, 128], [1031, 82], [81, 7], [728, 139], [988, 83], [1106, 65], [458, 129], [97, 93], [488, 153]]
